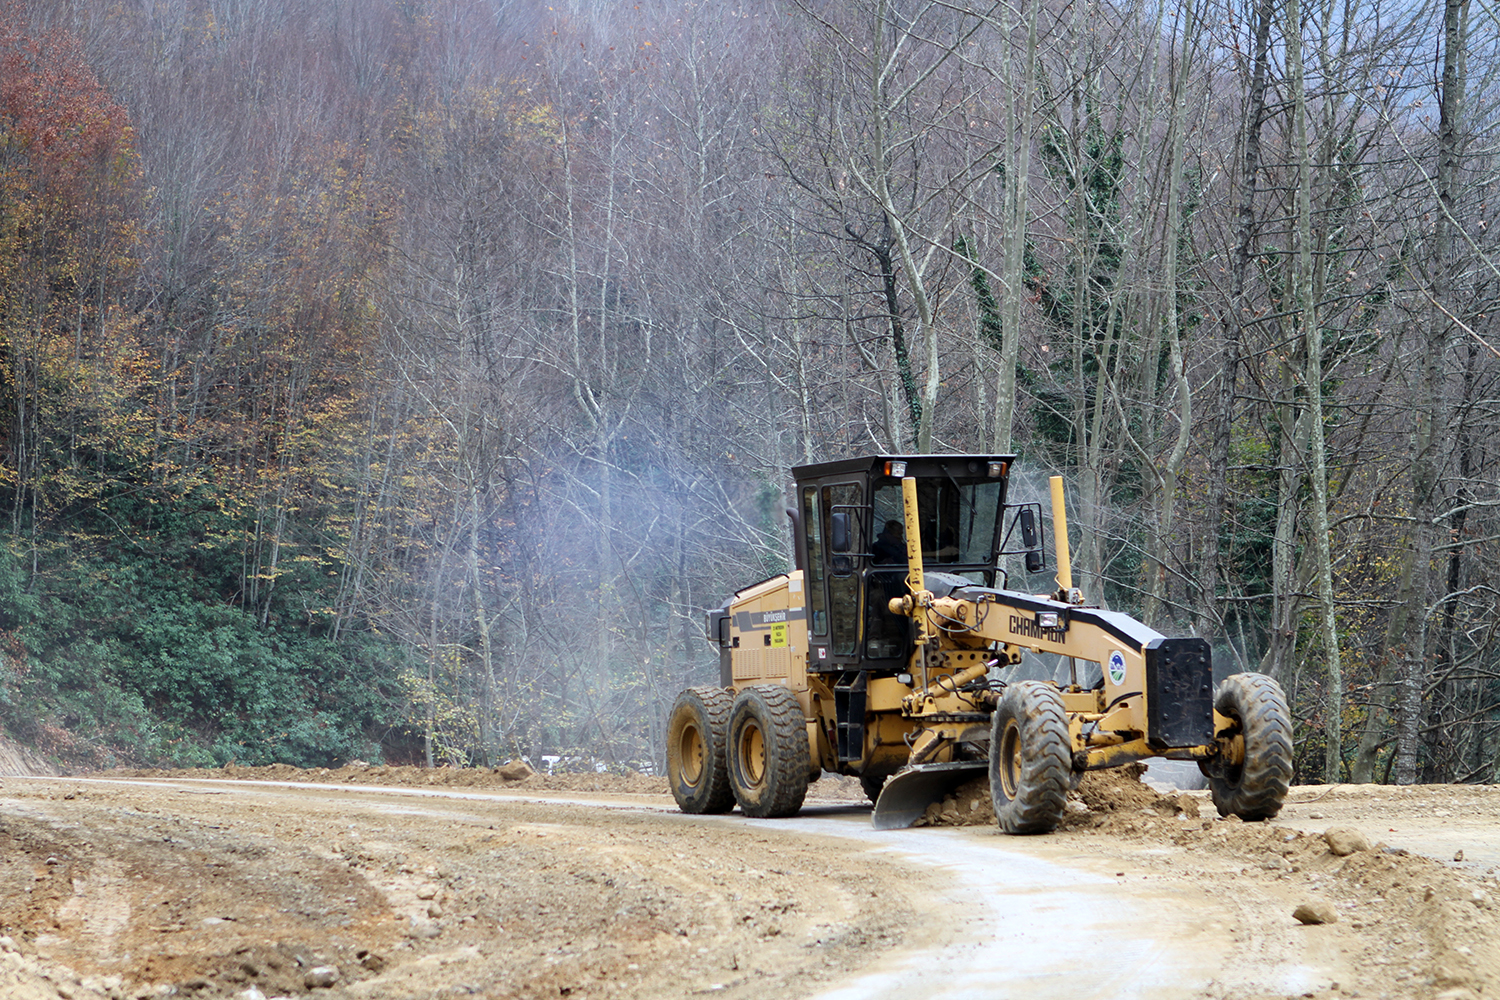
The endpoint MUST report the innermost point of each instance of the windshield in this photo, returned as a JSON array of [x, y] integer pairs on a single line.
[[958, 522]]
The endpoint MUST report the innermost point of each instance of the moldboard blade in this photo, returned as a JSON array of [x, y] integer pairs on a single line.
[[908, 794]]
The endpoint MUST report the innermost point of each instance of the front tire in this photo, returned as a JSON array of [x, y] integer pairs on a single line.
[[1030, 758], [697, 761], [1255, 788], [769, 760]]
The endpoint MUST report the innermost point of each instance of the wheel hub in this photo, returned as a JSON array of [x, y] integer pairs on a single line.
[[691, 754], [1010, 759], [753, 754]]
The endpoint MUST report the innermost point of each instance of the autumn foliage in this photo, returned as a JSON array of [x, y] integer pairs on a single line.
[[65, 137]]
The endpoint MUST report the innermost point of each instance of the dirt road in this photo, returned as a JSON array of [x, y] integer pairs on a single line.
[[457, 884]]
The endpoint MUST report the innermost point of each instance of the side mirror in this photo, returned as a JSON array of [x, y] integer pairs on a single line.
[[839, 533], [1030, 540], [1028, 528]]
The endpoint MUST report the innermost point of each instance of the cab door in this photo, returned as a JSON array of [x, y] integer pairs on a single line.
[[834, 603]]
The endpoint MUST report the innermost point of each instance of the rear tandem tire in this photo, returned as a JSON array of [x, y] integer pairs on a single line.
[[1255, 788], [1030, 758], [697, 762], [769, 760]]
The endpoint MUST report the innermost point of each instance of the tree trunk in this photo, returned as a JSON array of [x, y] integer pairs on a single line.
[[1171, 466], [1431, 410], [1310, 322], [1210, 616], [1017, 208], [1285, 604]]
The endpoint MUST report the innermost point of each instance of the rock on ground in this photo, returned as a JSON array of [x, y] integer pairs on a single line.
[[321, 977], [1318, 911], [1344, 841], [516, 770]]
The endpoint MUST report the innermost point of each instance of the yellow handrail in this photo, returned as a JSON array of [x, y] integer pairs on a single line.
[[1060, 535], [915, 582]]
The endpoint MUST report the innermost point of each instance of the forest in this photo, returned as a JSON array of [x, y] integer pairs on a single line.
[[400, 380]]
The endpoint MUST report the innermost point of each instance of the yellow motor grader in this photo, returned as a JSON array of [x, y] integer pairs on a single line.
[[885, 654]]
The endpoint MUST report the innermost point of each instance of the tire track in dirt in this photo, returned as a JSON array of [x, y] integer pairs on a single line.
[[100, 908], [1021, 913], [1138, 895], [415, 896], [1038, 924]]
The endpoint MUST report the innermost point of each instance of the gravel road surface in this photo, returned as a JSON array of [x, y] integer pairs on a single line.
[[401, 883]]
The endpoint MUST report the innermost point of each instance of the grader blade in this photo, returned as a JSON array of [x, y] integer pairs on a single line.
[[908, 794]]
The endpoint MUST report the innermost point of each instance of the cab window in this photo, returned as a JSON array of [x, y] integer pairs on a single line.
[[812, 526], [843, 590]]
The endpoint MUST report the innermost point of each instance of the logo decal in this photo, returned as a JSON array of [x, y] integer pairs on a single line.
[[1116, 667], [1028, 628]]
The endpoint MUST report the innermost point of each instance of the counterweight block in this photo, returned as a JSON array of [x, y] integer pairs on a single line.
[[1179, 693]]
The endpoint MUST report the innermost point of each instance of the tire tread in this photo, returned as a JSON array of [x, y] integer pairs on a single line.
[[788, 760], [715, 704], [1261, 786], [1046, 765]]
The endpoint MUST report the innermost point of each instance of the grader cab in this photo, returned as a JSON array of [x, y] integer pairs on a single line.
[[890, 652]]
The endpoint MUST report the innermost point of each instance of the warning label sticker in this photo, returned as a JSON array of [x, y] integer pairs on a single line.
[[778, 635]]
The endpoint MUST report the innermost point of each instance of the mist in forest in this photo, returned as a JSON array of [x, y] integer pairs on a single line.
[[401, 380]]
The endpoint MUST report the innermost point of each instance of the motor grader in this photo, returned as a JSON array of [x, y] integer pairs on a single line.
[[890, 652]]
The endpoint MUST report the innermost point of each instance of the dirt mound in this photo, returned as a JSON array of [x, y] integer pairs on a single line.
[[1425, 927], [630, 783], [830, 786], [1117, 799], [967, 805], [1424, 924], [1116, 789], [837, 788], [1100, 795], [626, 783]]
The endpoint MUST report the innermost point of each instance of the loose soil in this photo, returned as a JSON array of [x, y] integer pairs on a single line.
[[158, 887], [147, 890], [1419, 920], [629, 782]]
